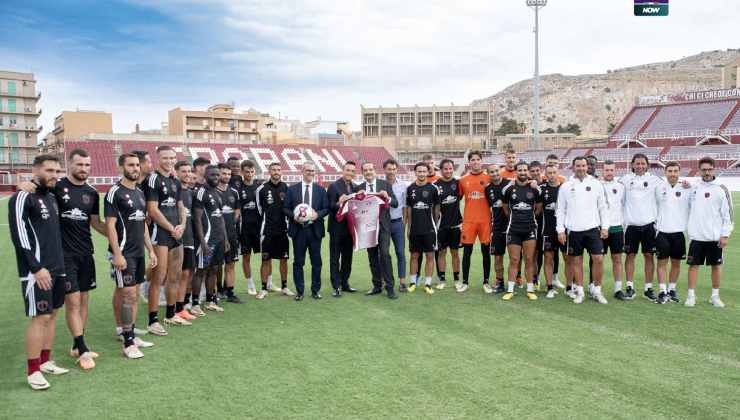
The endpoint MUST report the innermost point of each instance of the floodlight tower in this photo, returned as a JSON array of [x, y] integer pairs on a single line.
[[536, 5]]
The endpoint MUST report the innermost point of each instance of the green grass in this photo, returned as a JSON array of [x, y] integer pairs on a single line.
[[441, 356]]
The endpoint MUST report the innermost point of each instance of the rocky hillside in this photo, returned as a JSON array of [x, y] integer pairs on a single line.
[[593, 101]]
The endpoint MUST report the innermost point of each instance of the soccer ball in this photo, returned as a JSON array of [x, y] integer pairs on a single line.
[[302, 213]]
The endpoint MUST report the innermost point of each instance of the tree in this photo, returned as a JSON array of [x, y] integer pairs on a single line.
[[570, 128], [610, 128], [508, 126], [547, 131]]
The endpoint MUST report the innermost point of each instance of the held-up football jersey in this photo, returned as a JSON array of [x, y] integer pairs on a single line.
[[449, 202], [473, 187], [129, 209], [362, 212]]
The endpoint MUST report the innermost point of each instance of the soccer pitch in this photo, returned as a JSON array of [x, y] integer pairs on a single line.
[[448, 355]]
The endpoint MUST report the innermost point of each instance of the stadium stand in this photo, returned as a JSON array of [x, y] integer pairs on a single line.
[[633, 122]]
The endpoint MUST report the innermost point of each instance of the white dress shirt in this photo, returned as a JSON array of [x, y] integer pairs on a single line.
[[399, 191]]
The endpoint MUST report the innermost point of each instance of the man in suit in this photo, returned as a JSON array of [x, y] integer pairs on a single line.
[[340, 239], [307, 235], [379, 257]]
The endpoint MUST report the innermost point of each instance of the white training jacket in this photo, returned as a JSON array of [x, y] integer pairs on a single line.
[[640, 198], [711, 215], [614, 191], [581, 205], [673, 208]]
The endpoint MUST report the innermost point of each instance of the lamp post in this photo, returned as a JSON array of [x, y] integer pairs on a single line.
[[536, 5]]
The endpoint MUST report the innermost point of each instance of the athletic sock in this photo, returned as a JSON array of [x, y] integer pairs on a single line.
[[170, 311], [45, 356], [510, 289], [530, 287], [662, 287], [413, 278], [209, 297], [441, 276], [187, 298], [617, 285], [499, 281], [153, 317], [568, 288], [179, 306], [264, 285], [456, 275], [579, 289], [230, 291], [34, 365], [597, 290], [196, 301], [128, 337], [549, 287], [119, 330], [80, 344], [427, 281], [269, 281], [691, 293], [283, 284], [648, 286], [485, 281], [672, 287], [630, 284], [715, 292]]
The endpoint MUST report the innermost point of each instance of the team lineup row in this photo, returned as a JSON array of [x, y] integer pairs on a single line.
[[195, 219]]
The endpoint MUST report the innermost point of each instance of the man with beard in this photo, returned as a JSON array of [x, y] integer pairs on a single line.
[[499, 222], [340, 239], [79, 206], [128, 235], [450, 222], [614, 243], [273, 232], [40, 266], [210, 233], [236, 179], [509, 169], [550, 244], [249, 236], [421, 214], [183, 169], [231, 214], [521, 204], [167, 216]]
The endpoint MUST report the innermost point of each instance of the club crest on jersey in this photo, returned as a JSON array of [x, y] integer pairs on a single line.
[[614, 190], [453, 187], [706, 195], [482, 183], [530, 195], [282, 195], [678, 193], [425, 194], [588, 188], [645, 184], [86, 199]]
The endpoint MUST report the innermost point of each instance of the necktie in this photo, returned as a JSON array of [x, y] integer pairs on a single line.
[[371, 187], [306, 196]]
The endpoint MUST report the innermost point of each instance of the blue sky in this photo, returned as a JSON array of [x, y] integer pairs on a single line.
[[138, 59]]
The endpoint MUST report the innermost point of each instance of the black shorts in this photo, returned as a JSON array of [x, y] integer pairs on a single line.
[[275, 247], [498, 242], [614, 243], [233, 254], [214, 258], [423, 243], [42, 302], [518, 238], [550, 242], [704, 252], [80, 271], [188, 258], [161, 237], [135, 272], [670, 245], [448, 238], [250, 241], [636, 235], [590, 240]]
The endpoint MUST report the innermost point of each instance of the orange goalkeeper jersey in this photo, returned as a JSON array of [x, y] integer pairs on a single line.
[[473, 188]]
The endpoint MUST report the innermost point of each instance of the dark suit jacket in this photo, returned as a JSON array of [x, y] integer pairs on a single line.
[[385, 214], [336, 190], [319, 203]]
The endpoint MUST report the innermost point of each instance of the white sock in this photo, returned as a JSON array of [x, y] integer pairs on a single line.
[[119, 330], [691, 293], [427, 281], [662, 287], [530, 287], [510, 288], [269, 281], [617, 285], [579, 290], [413, 279], [715, 292], [597, 290], [672, 286], [630, 284], [250, 282], [648, 286]]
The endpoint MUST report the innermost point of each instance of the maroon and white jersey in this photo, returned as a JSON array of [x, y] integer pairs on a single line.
[[362, 212]]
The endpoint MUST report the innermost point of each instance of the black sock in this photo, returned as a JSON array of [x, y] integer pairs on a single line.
[[499, 281], [568, 287], [441, 276], [128, 337], [187, 298], [549, 287], [153, 317], [80, 344], [264, 285], [230, 291], [456, 275], [283, 284], [170, 311], [196, 301], [179, 306], [209, 297]]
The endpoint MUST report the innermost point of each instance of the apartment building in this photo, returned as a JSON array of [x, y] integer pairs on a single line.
[[73, 125], [18, 119], [220, 123]]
